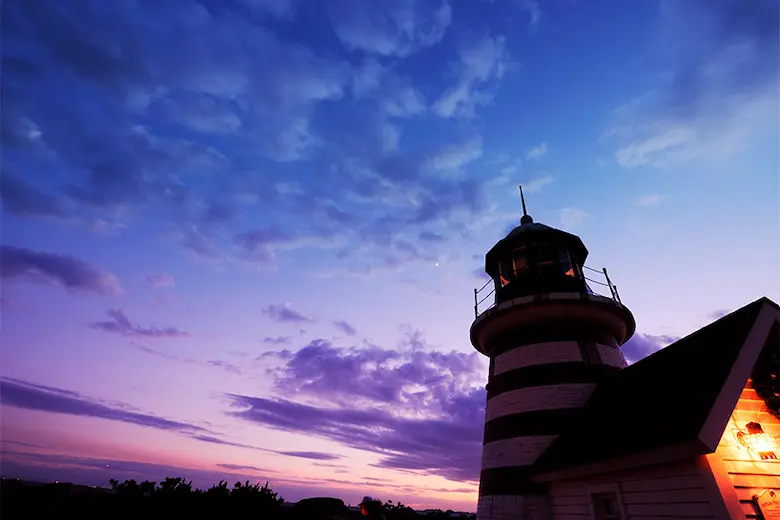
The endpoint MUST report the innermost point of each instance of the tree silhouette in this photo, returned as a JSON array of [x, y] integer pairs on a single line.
[[174, 497]]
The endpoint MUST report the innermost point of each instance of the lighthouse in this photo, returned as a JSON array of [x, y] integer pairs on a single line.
[[551, 338]]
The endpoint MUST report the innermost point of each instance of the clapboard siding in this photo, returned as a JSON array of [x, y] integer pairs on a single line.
[[748, 475], [674, 490], [537, 354], [547, 397]]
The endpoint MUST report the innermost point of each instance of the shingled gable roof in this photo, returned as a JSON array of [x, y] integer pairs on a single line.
[[674, 403]]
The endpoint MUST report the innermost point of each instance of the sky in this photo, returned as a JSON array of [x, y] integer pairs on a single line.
[[240, 238]]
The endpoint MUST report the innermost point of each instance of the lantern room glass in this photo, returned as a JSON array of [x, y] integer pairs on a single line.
[[537, 268]]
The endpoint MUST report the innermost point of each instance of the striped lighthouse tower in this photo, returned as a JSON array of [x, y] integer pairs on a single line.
[[550, 340]]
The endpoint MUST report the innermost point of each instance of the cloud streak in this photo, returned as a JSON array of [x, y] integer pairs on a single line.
[[480, 64], [537, 152], [72, 273], [395, 29], [345, 327], [284, 313], [159, 280], [120, 324], [31, 396]]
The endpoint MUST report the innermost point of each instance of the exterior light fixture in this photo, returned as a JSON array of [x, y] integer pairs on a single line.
[[755, 440]]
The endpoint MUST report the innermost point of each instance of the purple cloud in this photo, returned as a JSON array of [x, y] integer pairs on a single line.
[[396, 403], [328, 465], [402, 443], [315, 455], [28, 200], [286, 314], [164, 355], [69, 272], [278, 340], [245, 467], [345, 327], [31, 396], [120, 324], [229, 367], [159, 280], [211, 439], [642, 345], [431, 237], [718, 314]]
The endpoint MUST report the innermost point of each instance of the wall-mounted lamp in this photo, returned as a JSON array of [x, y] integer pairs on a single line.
[[755, 440]]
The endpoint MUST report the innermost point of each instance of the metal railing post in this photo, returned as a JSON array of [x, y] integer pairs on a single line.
[[617, 294], [609, 283], [475, 304]]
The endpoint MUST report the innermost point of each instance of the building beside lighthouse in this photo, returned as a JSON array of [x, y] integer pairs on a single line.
[[572, 432]]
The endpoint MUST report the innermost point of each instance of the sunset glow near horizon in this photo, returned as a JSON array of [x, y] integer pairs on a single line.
[[240, 238]]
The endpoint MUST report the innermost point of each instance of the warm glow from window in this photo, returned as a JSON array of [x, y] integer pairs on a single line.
[[758, 442], [570, 272]]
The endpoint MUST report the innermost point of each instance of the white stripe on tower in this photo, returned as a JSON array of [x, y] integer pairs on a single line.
[[537, 354], [518, 451], [611, 356], [547, 397]]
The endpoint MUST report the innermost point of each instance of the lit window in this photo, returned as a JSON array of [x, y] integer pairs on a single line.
[[605, 506], [521, 261], [565, 263], [506, 272]]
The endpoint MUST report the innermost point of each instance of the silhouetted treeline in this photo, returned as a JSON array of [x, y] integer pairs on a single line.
[[172, 498], [175, 498]]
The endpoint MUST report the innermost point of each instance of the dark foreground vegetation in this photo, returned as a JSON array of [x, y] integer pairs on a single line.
[[175, 498]]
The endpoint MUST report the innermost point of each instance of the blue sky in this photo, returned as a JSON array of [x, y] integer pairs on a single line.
[[237, 214]]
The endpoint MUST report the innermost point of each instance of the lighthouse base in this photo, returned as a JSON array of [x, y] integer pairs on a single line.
[[514, 507]]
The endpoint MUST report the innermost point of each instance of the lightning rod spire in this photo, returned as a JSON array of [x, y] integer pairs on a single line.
[[526, 217]]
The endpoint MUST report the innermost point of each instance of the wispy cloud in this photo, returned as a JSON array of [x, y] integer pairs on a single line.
[[535, 184], [226, 365], [345, 327], [32, 396], [121, 324], [531, 7], [67, 271], [648, 200], [243, 467], [456, 156], [721, 91], [572, 217], [537, 152], [24, 198], [313, 455], [642, 345], [392, 29], [284, 313], [159, 280], [278, 340], [481, 65], [718, 314]]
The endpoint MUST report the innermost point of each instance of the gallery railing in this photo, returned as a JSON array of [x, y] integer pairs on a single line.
[[593, 278]]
